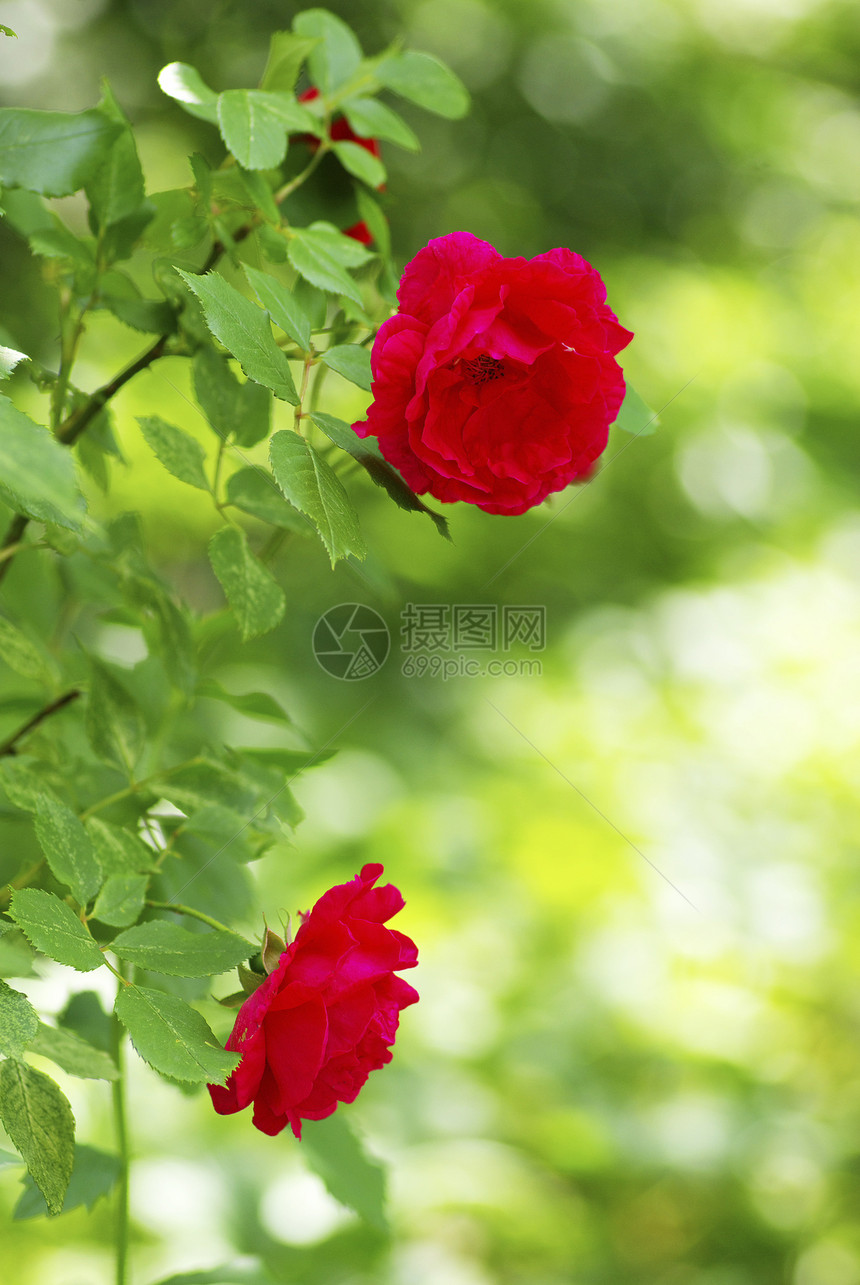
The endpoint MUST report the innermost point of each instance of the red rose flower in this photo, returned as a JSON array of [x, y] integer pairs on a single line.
[[496, 381], [326, 1017]]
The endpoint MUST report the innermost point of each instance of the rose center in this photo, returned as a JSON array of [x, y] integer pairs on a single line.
[[484, 368]]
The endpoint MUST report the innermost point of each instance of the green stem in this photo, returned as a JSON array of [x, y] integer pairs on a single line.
[[190, 912], [135, 786], [121, 1126]]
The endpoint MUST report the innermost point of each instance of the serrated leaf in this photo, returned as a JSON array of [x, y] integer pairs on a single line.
[[348, 1172], [119, 851], [242, 411], [197, 784], [94, 1174], [352, 361], [180, 453], [255, 491], [361, 163], [338, 54], [9, 359], [426, 81], [162, 947], [311, 255], [256, 599], [260, 194], [23, 656], [370, 118], [254, 125], [54, 929], [287, 52], [121, 900], [116, 189], [184, 83], [151, 316], [73, 1055], [251, 704], [23, 780], [309, 483], [113, 722], [39, 1120], [281, 306], [68, 849], [244, 329], [636, 416], [19, 1021], [53, 153], [37, 474], [172, 1037], [378, 469]]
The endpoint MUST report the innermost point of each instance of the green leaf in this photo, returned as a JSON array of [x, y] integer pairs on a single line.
[[380, 471], [251, 704], [286, 55], [426, 81], [113, 722], [7, 31], [185, 84], [636, 416], [256, 599], [172, 1037], [310, 253], [23, 656], [260, 194], [352, 361], [7, 1159], [348, 1172], [37, 474], [152, 316], [120, 901], [289, 761], [255, 491], [375, 220], [254, 125], [53, 153], [370, 118], [245, 330], [338, 54], [197, 784], [68, 849], [309, 483], [163, 947], [360, 162], [116, 188], [54, 929], [281, 306], [9, 359], [84, 1016], [19, 1021], [119, 852], [240, 410], [23, 780], [39, 1120], [94, 1175], [74, 1056], [180, 453]]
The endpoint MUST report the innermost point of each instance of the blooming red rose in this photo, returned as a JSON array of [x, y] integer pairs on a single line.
[[326, 1017], [496, 381]]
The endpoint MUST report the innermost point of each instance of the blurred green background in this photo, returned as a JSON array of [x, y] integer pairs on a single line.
[[633, 876]]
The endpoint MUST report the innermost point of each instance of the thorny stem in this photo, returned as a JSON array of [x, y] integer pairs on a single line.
[[9, 746]]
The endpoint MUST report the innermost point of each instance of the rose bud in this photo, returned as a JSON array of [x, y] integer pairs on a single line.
[[327, 1015]]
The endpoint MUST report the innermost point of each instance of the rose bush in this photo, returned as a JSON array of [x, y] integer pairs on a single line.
[[342, 132], [327, 1015], [496, 381]]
